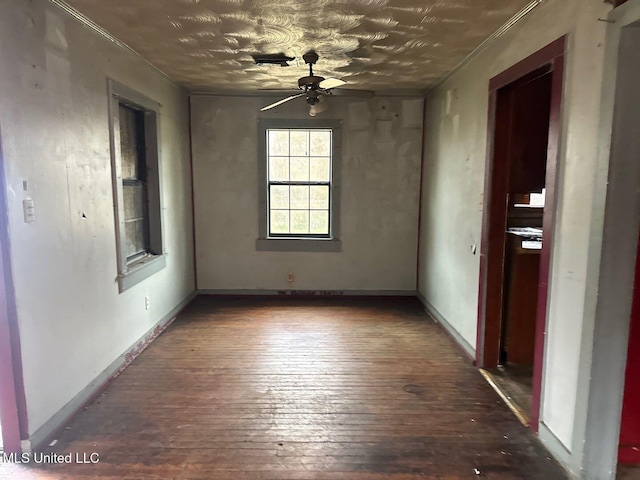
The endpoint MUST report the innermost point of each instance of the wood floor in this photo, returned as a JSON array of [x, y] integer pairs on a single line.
[[515, 383], [299, 388], [628, 472]]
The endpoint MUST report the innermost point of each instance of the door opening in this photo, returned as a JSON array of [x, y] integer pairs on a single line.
[[517, 225]]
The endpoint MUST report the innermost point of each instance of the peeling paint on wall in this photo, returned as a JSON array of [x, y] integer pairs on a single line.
[[379, 200], [55, 136]]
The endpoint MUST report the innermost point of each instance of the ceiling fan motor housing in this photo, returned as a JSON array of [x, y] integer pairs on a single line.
[[313, 87], [310, 81]]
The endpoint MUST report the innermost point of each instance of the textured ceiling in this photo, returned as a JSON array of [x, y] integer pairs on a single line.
[[380, 45]]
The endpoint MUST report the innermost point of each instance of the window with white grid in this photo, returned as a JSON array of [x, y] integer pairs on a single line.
[[299, 182]]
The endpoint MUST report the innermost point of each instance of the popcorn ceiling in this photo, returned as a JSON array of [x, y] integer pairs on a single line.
[[372, 44]]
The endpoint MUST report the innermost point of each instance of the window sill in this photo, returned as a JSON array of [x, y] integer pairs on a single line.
[[141, 270], [298, 245]]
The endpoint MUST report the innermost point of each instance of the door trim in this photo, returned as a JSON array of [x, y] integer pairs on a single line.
[[618, 201], [487, 341], [629, 453]]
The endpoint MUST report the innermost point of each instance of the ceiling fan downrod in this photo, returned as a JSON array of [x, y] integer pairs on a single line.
[[311, 81]]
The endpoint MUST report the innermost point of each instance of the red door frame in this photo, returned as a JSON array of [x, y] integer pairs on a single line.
[[628, 452], [491, 261], [12, 399]]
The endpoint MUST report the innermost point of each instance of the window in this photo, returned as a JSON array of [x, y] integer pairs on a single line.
[[136, 185], [299, 186], [299, 178]]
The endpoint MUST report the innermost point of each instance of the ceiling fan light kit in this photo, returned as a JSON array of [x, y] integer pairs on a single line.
[[315, 87], [317, 108]]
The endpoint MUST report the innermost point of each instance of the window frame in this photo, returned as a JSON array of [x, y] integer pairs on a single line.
[[134, 272], [299, 242], [140, 178]]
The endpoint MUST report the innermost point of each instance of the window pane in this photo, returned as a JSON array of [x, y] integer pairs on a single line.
[[134, 197], [135, 237], [299, 143], [299, 197], [319, 196], [319, 222], [299, 221], [299, 156], [136, 220], [279, 196], [129, 148], [279, 169], [300, 169], [278, 141], [140, 202], [279, 221], [320, 143], [128, 196], [320, 169]]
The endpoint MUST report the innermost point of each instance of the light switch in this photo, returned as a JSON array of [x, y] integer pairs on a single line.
[[29, 210]]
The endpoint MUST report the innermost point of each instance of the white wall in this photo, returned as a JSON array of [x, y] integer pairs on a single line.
[[379, 203], [54, 124], [453, 195]]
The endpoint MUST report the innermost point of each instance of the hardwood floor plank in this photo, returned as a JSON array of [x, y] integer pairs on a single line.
[[298, 389]]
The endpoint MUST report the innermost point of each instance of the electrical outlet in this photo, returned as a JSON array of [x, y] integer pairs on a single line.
[[147, 303], [290, 277]]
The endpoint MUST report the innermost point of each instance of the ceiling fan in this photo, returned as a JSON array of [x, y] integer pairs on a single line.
[[314, 88]]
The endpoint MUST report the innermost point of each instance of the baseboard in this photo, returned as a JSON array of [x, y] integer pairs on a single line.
[[312, 293], [559, 451], [47, 431], [458, 339]]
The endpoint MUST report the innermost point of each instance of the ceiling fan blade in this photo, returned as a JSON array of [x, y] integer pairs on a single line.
[[351, 92], [278, 91], [280, 102], [328, 83]]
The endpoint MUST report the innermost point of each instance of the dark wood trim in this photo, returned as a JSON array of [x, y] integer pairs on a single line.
[[629, 443], [422, 160], [13, 405], [484, 240], [548, 224], [193, 194], [539, 59], [493, 235], [615, 3]]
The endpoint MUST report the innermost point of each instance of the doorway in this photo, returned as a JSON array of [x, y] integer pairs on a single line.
[[520, 179]]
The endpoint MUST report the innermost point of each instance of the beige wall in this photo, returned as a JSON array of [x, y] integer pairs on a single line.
[[453, 198], [54, 124], [379, 201]]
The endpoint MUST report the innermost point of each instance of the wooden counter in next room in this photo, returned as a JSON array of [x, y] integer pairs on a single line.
[[521, 297]]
